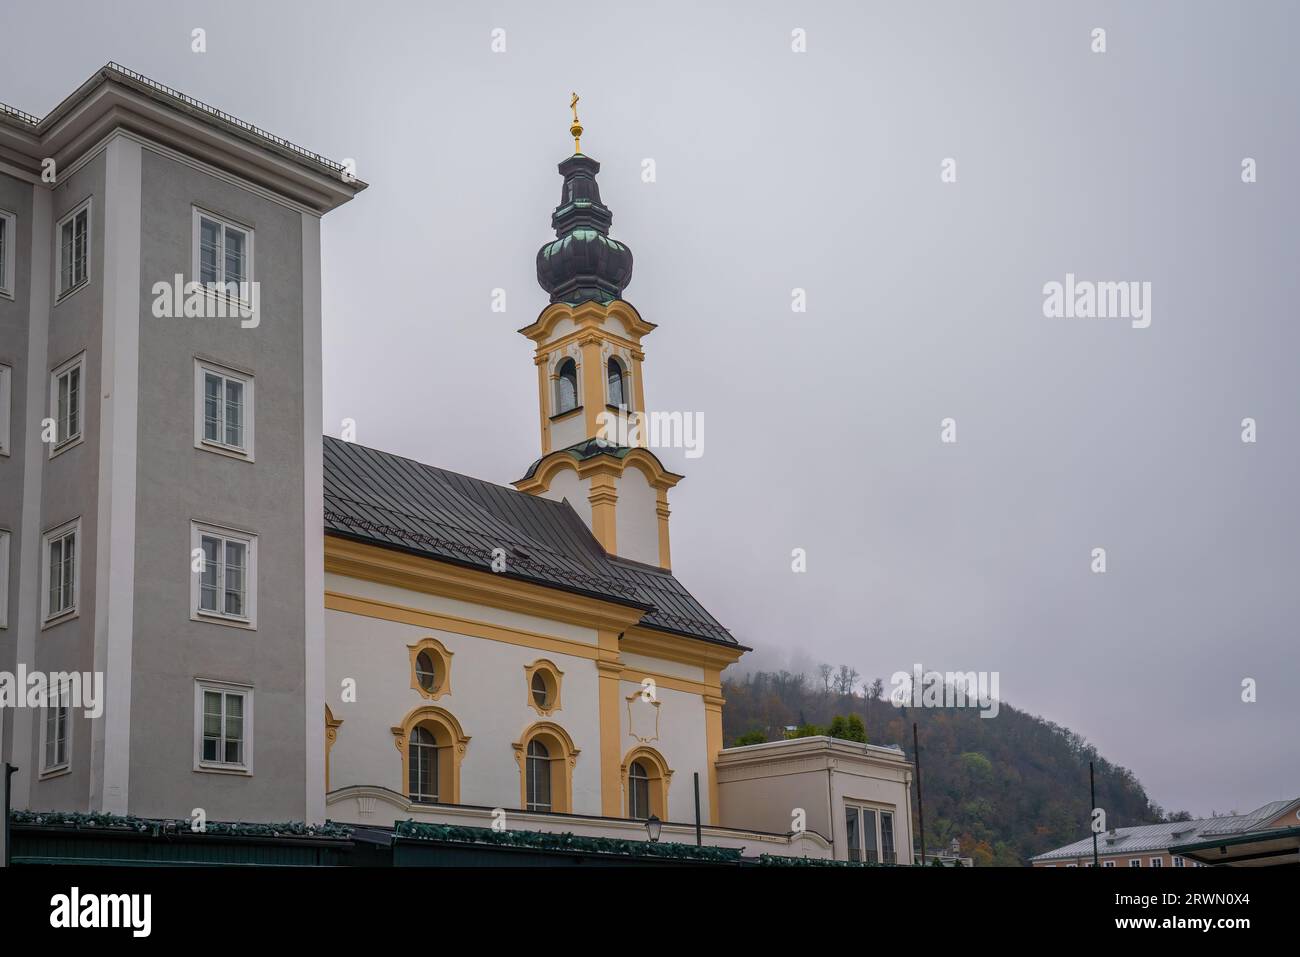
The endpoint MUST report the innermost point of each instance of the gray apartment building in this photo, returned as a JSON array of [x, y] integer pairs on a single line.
[[160, 453]]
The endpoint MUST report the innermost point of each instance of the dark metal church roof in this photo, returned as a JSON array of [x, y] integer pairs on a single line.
[[395, 502]]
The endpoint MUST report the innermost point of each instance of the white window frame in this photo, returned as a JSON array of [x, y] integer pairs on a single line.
[[200, 214], [6, 406], [199, 530], [8, 268], [62, 292], [1157, 862], [201, 369], [858, 806], [5, 538], [1135, 862], [49, 618], [65, 766], [62, 444], [245, 768]]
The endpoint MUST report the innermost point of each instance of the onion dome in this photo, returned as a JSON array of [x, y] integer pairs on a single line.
[[582, 263]]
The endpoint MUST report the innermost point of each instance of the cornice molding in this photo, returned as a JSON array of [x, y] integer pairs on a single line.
[[416, 573]]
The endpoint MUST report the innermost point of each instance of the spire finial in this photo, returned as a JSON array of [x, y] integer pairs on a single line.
[[576, 129]]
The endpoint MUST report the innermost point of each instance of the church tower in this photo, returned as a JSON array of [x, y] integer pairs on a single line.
[[589, 385]]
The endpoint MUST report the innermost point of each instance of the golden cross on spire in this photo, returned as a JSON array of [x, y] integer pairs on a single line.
[[576, 129]]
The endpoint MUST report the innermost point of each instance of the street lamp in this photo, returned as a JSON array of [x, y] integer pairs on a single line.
[[652, 827]]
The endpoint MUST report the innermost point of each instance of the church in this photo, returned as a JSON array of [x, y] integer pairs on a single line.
[[444, 651]]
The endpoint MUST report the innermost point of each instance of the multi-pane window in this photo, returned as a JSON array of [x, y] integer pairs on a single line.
[[67, 402], [223, 411], [422, 763], [869, 834], [538, 776], [223, 736], [60, 571], [638, 791], [8, 240], [225, 574], [887, 837], [1157, 862], [74, 249], [1135, 862], [223, 252], [56, 730], [224, 581]]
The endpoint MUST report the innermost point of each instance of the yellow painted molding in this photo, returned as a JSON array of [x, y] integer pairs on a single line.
[[662, 512], [661, 776], [654, 702], [687, 651], [417, 573], [441, 668], [553, 677], [713, 736], [603, 498], [451, 740], [672, 682], [593, 382], [609, 672], [402, 614], [555, 738], [611, 465], [332, 725], [589, 315]]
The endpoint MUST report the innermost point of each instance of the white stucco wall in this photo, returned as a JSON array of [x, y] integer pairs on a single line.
[[489, 698], [566, 485], [679, 736], [636, 520]]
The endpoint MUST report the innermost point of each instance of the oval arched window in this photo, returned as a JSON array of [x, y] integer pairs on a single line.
[[566, 387], [423, 765], [617, 392], [541, 693], [539, 776], [638, 791], [426, 672]]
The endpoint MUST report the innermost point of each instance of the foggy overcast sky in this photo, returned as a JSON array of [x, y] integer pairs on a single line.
[[821, 170]]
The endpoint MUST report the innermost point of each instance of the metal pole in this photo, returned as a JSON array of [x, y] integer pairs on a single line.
[[920, 804], [1092, 791], [699, 836]]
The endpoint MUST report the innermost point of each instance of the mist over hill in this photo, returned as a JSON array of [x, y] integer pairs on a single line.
[[1007, 787]]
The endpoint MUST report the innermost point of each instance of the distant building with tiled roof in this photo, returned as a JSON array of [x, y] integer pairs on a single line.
[[1157, 845]]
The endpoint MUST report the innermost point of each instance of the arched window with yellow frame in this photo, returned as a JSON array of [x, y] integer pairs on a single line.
[[646, 776], [430, 668], [546, 756], [432, 746], [542, 680]]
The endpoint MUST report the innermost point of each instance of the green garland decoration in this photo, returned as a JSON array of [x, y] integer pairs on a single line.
[[565, 841], [157, 827]]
